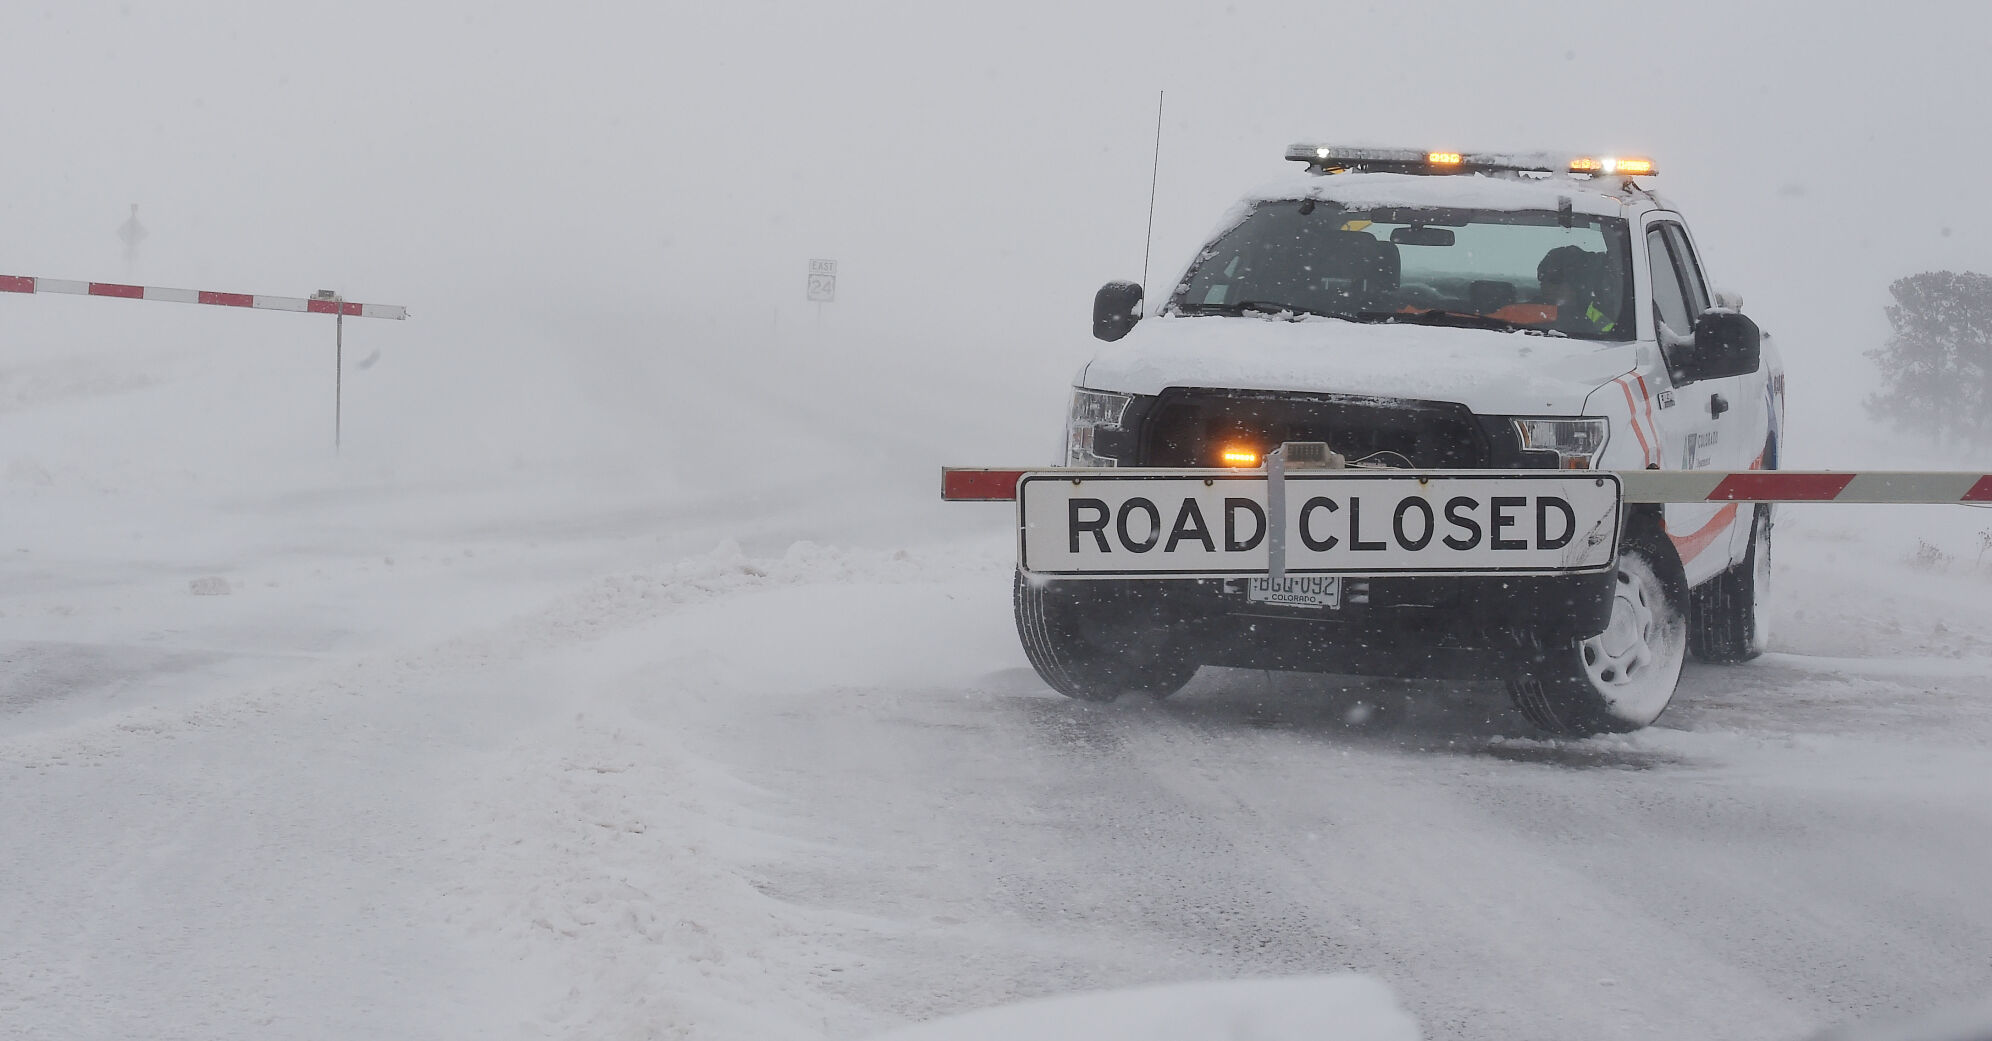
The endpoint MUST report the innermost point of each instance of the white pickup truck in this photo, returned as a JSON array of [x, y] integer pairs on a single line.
[[1426, 311]]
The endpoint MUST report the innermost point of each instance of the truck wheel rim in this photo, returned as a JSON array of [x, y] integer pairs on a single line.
[[1618, 656], [1635, 662]]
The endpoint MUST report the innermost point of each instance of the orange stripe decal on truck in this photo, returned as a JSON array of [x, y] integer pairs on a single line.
[[1645, 450], [1690, 546]]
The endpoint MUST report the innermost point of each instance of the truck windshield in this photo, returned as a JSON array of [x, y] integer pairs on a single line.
[[1528, 270]]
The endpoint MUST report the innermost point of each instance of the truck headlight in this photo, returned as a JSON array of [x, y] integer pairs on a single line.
[[1092, 411], [1578, 443]]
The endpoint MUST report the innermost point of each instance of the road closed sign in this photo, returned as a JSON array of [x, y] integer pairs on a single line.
[[1337, 522]]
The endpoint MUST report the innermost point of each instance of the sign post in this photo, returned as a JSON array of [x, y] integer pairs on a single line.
[[338, 362], [132, 233], [822, 288]]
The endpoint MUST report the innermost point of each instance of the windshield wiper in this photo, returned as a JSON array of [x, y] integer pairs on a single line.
[[1266, 307], [1451, 319]]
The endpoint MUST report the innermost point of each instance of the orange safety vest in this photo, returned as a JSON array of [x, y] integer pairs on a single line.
[[1527, 314]]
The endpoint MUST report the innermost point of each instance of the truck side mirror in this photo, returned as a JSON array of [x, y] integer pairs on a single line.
[[1727, 343], [1116, 307]]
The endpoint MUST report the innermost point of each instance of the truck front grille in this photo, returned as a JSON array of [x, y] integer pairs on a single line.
[[1189, 427]]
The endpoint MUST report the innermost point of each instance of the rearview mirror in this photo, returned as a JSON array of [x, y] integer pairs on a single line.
[[1727, 343], [1419, 235], [1116, 307]]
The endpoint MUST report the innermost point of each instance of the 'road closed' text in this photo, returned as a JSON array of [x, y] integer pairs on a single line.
[[1344, 523]]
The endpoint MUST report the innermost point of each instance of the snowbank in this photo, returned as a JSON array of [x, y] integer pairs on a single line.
[[1310, 1008]]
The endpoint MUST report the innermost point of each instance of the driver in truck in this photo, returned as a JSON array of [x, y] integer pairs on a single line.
[[1568, 276]]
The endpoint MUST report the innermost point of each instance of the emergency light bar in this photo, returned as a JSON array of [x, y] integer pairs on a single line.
[[1329, 159], [1608, 165]]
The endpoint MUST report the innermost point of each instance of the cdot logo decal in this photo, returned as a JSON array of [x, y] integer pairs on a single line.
[[1697, 455]]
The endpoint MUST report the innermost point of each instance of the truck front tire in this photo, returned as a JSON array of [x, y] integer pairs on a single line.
[[1623, 678], [1096, 640]]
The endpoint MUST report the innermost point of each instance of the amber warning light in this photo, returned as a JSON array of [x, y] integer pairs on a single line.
[[1239, 457], [1609, 165]]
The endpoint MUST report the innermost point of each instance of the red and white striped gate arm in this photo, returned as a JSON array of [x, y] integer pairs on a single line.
[[26, 284], [1898, 486], [982, 484]]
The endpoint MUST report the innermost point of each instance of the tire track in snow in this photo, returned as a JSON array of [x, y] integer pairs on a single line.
[[1317, 849]]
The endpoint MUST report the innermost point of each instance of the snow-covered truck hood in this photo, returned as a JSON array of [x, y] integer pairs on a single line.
[[1491, 372]]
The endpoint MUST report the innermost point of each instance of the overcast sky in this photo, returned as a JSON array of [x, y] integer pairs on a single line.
[[569, 180]]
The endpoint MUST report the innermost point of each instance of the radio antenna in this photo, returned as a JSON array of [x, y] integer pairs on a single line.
[[1153, 175]]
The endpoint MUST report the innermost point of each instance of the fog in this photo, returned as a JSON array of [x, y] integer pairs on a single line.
[[623, 675], [600, 216]]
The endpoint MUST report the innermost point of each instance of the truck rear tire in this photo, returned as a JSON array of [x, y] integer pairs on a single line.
[[1727, 623], [1623, 678], [1097, 640]]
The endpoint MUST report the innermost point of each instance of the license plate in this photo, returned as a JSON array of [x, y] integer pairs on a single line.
[[1297, 591]]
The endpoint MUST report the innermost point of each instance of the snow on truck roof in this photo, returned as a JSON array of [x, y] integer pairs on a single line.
[[1466, 191], [1366, 176]]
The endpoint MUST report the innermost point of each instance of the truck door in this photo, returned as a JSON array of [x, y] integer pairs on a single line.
[[1699, 422], [1749, 419]]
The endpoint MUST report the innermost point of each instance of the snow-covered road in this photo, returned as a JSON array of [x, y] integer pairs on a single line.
[[483, 743], [563, 778]]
